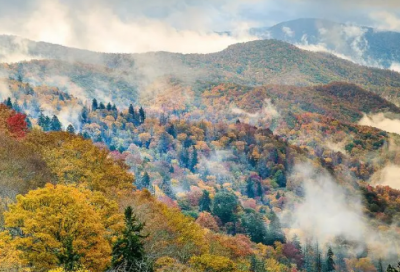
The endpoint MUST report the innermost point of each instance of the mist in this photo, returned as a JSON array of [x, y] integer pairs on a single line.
[[98, 27], [380, 121], [328, 211]]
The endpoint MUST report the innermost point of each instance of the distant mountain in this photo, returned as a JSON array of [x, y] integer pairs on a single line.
[[363, 45], [253, 64]]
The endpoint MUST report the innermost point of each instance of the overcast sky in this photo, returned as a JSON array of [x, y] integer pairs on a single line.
[[175, 25]]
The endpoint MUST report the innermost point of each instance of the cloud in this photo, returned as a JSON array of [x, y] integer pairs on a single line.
[[4, 91], [388, 176], [326, 211], [346, 41], [386, 20], [14, 49], [288, 32], [100, 27], [380, 121], [268, 111]]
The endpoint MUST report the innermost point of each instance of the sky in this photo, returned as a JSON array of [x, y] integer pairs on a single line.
[[187, 26]]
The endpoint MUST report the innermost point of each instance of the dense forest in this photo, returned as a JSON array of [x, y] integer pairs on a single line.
[[231, 170]]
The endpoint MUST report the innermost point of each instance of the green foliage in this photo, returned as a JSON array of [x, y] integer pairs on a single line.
[[128, 252], [225, 205]]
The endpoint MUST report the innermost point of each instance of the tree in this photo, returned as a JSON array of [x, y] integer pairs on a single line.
[[205, 202], [44, 122], [94, 105], [330, 263], [142, 115], [131, 110], [17, 125], [254, 225], [9, 103], [109, 106], [225, 206], [71, 129], [213, 263], [55, 124], [275, 232], [194, 160], [128, 252], [63, 226], [393, 269], [145, 180]]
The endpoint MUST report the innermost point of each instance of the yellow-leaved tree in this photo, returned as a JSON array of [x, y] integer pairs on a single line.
[[63, 226]]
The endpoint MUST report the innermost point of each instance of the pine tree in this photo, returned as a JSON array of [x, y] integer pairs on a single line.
[[330, 263], [194, 160], [109, 107], [131, 110], [205, 202], [145, 180], [275, 232], [71, 129], [94, 105], [142, 115], [9, 103], [84, 118], [55, 124], [128, 252], [250, 188], [172, 131], [28, 123]]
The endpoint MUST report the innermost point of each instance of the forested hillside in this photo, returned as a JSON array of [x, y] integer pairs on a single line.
[[251, 159]]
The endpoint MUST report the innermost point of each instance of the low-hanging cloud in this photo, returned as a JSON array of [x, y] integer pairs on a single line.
[[4, 90], [388, 176], [380, 121], [328, 211]]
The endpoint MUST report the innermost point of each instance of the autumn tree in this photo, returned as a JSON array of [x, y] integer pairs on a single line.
[[63, 226], [17, 125]]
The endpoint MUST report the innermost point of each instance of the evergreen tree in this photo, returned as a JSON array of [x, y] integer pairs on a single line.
[[9, 103], [205, 202], [254, 225], [145, 180], [330, 263], [94, 105], [55, 124], [28, 123], [318, 262], [101, 106], [142, 115], [41, 120], [128, 252], [194, 160], [393, 269], [71, 129], [250, 188], [171, 130], [131, 110], [275, 232], [84, 118], [109, 107], [380, 265]]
